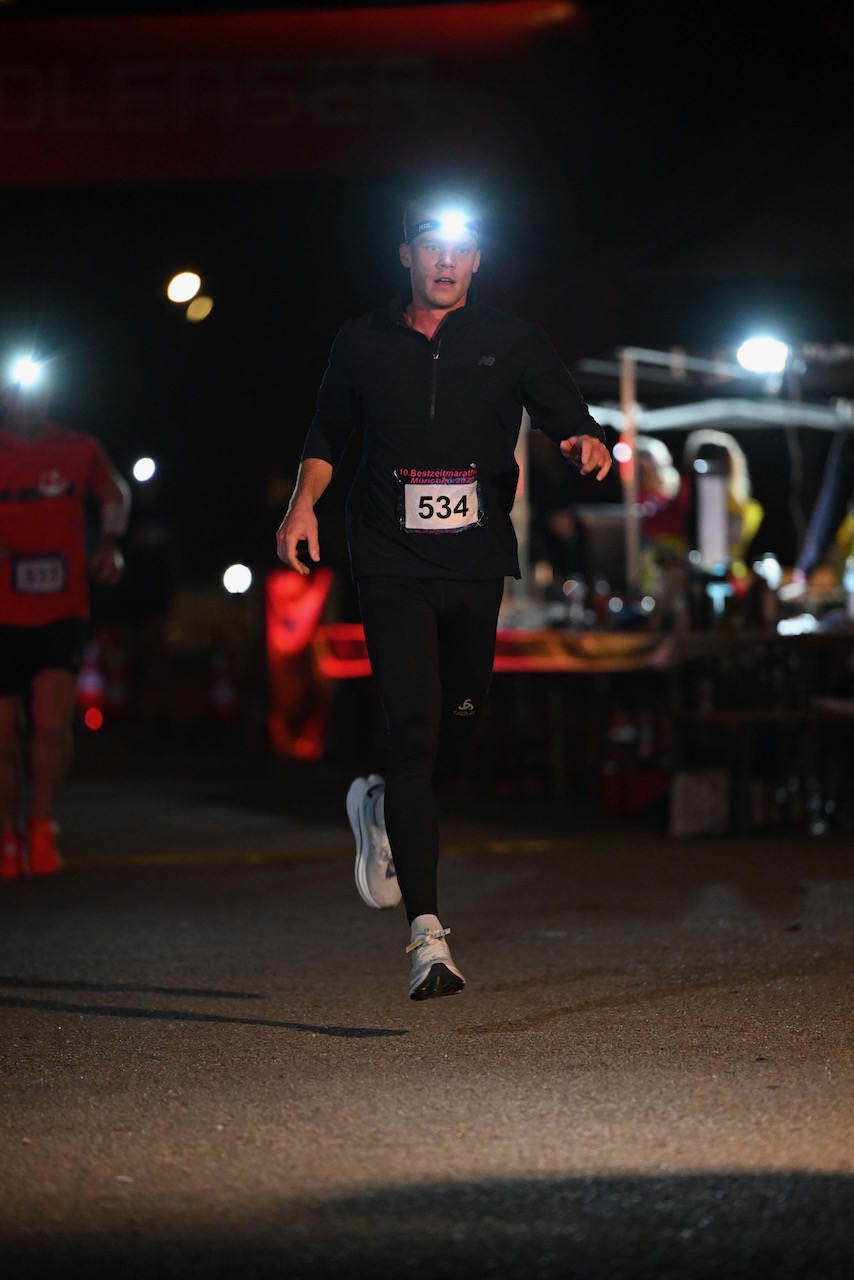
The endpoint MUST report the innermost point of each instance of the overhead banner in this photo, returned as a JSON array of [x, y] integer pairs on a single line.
[[244, 95]]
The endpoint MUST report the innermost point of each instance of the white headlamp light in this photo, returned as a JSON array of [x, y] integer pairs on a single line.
[[453, 225], [25, 371]]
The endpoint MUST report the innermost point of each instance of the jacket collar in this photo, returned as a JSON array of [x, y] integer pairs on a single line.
[[401, 301]]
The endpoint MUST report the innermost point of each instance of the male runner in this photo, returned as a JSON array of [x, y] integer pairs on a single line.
[[438, 382], [46, 473]]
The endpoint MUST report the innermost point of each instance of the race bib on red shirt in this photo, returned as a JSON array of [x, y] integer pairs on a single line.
[[41, 575]]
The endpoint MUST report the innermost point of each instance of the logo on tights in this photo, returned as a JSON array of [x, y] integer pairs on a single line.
[[466, 708]]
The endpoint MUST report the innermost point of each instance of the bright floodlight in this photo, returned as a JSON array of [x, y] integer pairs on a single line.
[[26, 371], [183, 287], [144, 469], [763, 355], [237, 579]]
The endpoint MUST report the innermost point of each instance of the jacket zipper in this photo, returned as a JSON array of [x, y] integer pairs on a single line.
[[435, 353], [435, 347]]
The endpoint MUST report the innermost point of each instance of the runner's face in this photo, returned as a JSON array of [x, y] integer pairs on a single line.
[[440, 270], [23, 410]]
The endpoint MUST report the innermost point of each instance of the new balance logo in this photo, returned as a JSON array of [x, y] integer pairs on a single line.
[[466, 708], [486, 360]]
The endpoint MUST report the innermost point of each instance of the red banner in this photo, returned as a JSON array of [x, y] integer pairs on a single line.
[[268, 94]]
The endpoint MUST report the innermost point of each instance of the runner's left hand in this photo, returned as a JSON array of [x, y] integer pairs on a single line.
[[588, 454], [107, 564]]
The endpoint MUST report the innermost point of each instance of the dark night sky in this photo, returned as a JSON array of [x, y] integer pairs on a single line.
[[693, 182]]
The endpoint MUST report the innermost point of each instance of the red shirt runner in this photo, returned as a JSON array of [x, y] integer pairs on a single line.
[[44, 484]]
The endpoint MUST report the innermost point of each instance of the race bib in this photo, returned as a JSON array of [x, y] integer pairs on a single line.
[[39, 575], [439, 501]]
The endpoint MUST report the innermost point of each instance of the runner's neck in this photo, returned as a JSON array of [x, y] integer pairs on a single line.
[[423, 320]]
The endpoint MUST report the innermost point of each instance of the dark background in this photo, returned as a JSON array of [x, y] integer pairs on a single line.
[[689, 182]]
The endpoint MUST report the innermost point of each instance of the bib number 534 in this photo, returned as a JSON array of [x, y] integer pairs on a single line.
[[440, 508], [439, 505]]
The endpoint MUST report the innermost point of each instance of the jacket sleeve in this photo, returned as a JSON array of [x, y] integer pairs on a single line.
[[549, 393], [335, 415]]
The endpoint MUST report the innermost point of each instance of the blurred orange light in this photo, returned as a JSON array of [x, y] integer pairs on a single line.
[[200, 308]]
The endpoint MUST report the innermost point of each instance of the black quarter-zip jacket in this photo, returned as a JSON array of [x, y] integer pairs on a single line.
[[449, 404]]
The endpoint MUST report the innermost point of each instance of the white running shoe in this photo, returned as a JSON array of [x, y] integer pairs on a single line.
[[433, 971], [376, 878]]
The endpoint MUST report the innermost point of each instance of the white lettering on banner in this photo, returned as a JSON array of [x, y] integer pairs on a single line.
[[157, 96]]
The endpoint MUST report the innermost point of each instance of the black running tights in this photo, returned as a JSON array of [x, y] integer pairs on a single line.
[[431, 642]]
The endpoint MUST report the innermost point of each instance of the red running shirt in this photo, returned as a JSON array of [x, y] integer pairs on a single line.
[[43, 489]]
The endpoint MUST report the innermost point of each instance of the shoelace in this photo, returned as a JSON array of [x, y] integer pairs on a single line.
[[430, 935]]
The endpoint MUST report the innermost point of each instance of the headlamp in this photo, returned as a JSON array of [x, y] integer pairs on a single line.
[[451, 226], [25, 372]]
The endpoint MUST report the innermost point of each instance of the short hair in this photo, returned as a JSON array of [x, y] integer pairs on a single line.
[[419, 210]]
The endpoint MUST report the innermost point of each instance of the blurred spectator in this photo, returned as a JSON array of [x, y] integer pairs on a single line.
[[744, 512], [662, 495], [665, 502], [47, 474], [830, 531]]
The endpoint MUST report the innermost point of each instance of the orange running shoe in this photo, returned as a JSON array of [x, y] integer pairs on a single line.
[[10, 855], [44, 857]]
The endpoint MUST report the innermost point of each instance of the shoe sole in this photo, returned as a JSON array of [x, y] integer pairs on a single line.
[[377, 780], [355, 808], [440, 981]]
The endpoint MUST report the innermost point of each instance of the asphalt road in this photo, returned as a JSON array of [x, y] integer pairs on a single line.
[[210, 1066]]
